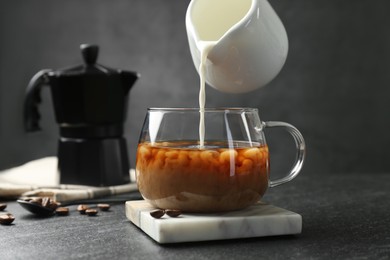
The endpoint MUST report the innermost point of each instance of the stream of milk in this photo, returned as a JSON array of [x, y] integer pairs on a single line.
[[205, 47], [212, 20]]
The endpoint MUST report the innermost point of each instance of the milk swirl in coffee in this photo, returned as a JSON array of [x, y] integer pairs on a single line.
[[179, 175]]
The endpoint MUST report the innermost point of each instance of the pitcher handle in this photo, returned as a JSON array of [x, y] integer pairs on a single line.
[[301, 151]]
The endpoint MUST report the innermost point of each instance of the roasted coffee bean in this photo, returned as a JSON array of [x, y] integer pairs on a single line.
[[62, 211], [103, 207], [37, 201], [52, 205], [82, 208], [173, 213], [6, 219], [158, 213], [91, 212], [2, 206], [46, 202]]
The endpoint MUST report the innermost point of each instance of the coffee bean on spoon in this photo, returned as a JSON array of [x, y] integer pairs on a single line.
[[37, 201], [52, 205], [6, 219], [45, 202]]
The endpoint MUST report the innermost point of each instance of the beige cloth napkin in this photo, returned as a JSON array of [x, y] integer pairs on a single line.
[[40, 178]]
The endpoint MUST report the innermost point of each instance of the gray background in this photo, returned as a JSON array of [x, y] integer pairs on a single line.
[[334, 86]]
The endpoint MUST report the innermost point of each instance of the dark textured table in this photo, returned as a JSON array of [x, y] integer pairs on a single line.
[[345, 216]]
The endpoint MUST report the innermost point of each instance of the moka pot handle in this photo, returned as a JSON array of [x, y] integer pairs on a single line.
[[32, 100]]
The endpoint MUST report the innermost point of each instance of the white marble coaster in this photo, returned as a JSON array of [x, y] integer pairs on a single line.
[[258, 220]]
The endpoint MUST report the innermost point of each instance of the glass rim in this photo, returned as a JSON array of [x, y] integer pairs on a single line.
[[197, 109]]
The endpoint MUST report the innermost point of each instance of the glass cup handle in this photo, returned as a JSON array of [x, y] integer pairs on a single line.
[[301, 151]]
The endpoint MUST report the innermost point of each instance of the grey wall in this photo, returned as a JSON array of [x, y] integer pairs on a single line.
[[334, 86]]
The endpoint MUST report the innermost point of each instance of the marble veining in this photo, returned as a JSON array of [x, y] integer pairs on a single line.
[[258, 220]]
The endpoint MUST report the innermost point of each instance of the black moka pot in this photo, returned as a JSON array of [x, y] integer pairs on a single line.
[[90, 103]]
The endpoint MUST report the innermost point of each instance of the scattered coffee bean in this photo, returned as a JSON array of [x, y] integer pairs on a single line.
[[6, 219], [173, 213], [91, 212], [2, 206], [103, 206], [62, 211], [158, 213], [82, 208]]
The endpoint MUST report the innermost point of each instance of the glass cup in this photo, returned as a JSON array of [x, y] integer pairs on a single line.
[[228, 170]]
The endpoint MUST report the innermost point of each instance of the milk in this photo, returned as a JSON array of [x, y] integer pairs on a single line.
[[211, 25], [252, 43], [213, 18], [204, 47]]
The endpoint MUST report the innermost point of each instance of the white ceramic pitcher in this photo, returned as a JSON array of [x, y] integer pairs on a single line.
[[251, 42]]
